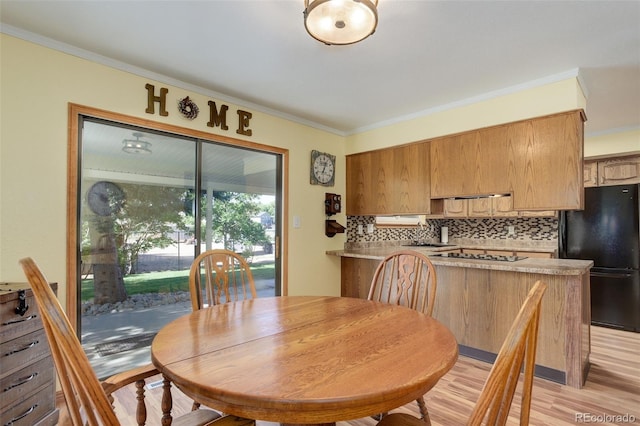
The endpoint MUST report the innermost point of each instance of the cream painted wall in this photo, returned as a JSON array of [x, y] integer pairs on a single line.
[[549, 98], [36, 85], [546, 99], [612, 143]]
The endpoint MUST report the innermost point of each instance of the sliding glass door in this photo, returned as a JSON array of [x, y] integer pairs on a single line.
[[148, 203]]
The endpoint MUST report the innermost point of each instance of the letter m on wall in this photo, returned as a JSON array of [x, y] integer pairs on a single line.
[[218, 119]]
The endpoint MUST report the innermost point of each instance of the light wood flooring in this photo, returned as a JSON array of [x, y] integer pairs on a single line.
[[612, 389]]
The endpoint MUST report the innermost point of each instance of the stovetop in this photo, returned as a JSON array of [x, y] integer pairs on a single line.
[[497, 257]]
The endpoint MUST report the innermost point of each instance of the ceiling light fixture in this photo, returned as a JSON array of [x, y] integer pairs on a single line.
[[137, 146], [340, 21]]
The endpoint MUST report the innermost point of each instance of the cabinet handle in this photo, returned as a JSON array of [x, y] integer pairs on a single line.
[[30, 317], [29, 346], [21, 416], [21, 382]]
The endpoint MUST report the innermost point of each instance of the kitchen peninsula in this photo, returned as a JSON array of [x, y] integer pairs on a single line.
[[477, 299]]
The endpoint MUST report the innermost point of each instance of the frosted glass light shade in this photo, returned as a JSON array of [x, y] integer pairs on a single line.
[[340, 21]]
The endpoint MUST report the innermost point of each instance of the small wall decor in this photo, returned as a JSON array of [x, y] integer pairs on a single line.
[[188, 108], [323, 168], [332, 205]]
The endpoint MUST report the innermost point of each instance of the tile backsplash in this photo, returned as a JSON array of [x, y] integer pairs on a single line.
[[527, 230]]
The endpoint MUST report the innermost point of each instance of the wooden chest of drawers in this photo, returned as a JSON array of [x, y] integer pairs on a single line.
[[27, 379]]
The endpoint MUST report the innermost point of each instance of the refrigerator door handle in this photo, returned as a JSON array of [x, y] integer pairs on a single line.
[[562, 234], [611, 274]]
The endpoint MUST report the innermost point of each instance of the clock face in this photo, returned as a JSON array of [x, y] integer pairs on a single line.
[[105, 198], [322, 168]]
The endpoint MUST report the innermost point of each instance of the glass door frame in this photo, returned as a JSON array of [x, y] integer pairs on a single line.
[[76, 115]]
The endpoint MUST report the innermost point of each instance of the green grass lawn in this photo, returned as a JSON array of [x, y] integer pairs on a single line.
[[169, 281]]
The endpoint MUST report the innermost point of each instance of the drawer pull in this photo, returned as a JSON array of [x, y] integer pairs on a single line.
[[30, 317], [22, 307], [21, 382], [29, 346], [22, 416]]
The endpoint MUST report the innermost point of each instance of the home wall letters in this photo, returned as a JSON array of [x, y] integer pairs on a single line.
[[217, 117]]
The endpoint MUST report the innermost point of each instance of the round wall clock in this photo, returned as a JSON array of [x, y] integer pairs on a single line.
[[323, 168], [105, 198]]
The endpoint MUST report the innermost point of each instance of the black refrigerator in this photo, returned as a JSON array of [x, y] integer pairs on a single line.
[[607, 231]]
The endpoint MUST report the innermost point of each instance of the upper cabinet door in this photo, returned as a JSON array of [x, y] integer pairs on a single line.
[[412, 188], [390, 181], [495, 170], [471, 163], [453, 165], [383, 181], [619, 171], [548, 163], [359, 200], [590, 177]]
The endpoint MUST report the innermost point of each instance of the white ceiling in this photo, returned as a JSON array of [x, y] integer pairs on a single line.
[[425, 55]]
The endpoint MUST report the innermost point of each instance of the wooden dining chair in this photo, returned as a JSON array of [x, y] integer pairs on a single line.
[[225, 276], [89, 402], [518, 348], [406, 278]]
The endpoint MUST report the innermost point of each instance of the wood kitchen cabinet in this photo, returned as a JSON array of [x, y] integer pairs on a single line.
[[359, 200], [392, 181], [538, 161], [451, 178], [488, 207], [503, 207], [456, 207], [548, 162], [536, 254], [383, 182], [470, 163], [471, 297], [618, 170], [412, 187], [590, 173], [480, 207], [538, 213], [356, 276]]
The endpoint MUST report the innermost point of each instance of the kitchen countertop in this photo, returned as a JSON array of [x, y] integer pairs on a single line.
[[528, 265]]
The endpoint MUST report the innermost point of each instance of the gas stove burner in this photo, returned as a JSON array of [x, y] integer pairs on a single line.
[[496, 257]]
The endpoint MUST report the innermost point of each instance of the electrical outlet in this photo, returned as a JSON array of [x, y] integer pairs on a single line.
[[369, 228], [511, 230], [360, 230]]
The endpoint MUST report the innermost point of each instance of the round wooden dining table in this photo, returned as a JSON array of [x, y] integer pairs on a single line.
[[304, 359]]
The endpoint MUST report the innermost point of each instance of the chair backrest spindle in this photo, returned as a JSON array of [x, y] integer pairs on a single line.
[[406, 278], [226, 276]]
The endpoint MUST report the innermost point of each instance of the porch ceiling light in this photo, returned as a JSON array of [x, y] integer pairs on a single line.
[[136, 146]]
